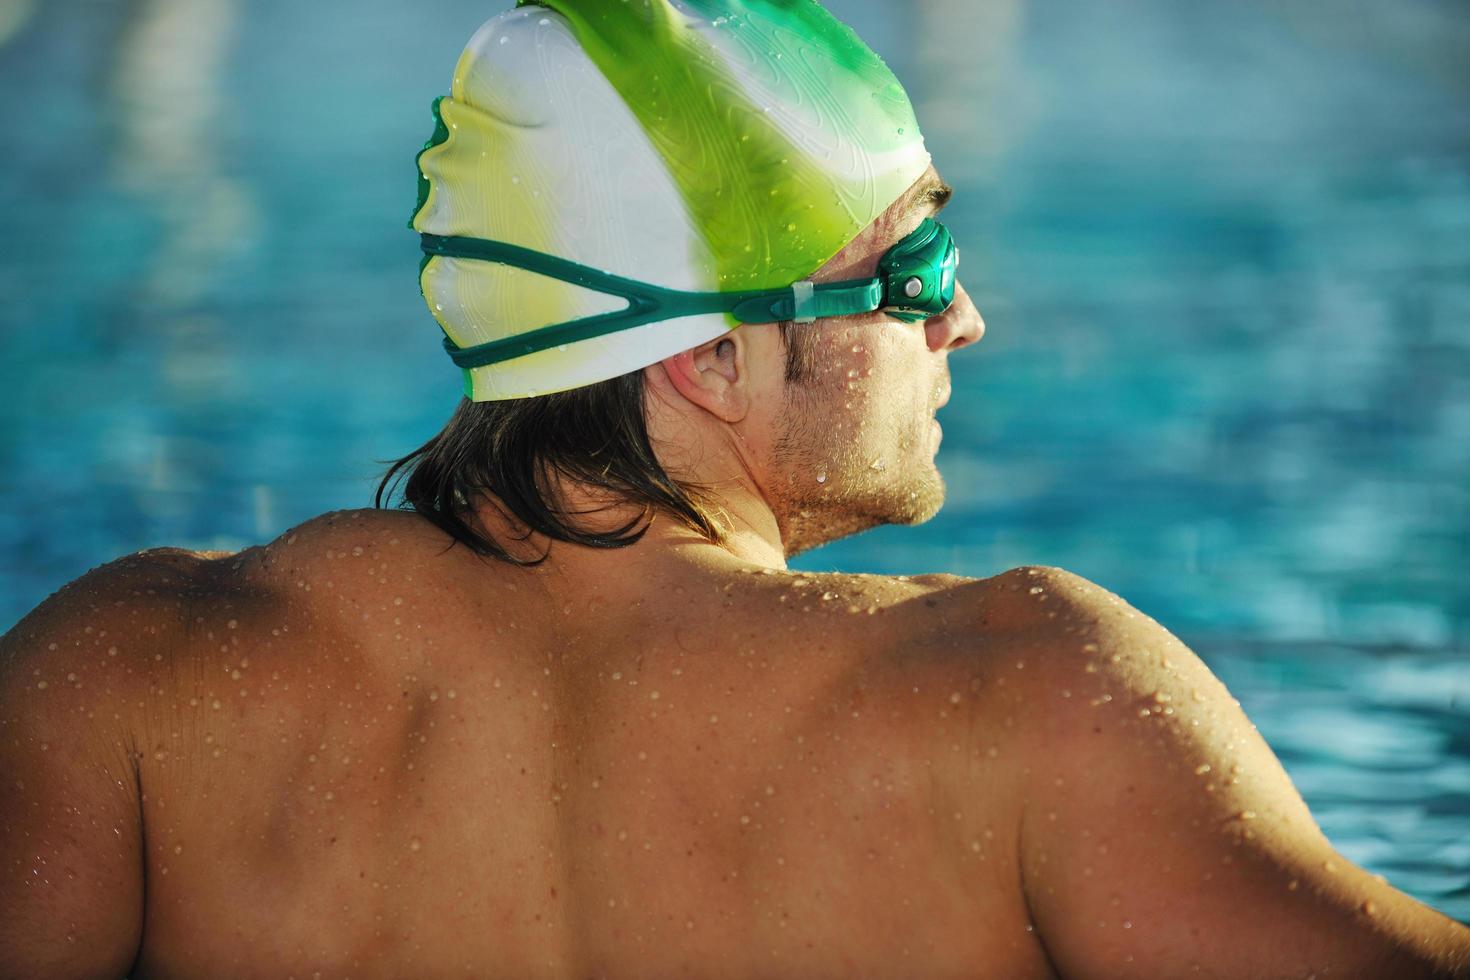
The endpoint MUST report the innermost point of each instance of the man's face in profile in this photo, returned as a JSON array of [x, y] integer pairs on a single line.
[[856, 441]]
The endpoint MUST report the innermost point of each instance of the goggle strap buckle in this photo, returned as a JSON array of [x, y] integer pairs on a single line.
[[804, 307]]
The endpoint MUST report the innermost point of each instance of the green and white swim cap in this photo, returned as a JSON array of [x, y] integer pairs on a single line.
[[702, 145]]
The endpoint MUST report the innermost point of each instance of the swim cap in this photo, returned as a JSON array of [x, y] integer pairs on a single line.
[[699, 145]]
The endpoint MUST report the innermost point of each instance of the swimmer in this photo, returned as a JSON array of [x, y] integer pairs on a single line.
[[566, 711]]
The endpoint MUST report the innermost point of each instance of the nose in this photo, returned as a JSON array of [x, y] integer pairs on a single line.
[[957, 326]]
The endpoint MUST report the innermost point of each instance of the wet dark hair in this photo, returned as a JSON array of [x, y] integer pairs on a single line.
[[595, 435]]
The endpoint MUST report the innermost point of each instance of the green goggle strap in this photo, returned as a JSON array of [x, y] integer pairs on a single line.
[[647, 303], [802, 302]]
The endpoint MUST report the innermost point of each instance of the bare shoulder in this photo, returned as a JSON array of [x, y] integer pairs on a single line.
[[98, 654], [353, 553], [363, 527], [1154, 813], [116, 610], [78, 676], [156, 607]]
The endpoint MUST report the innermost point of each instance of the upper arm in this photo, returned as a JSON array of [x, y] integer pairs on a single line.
[[1161, 836], [71, 834]]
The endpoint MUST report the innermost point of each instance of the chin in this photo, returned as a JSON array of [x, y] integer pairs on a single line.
[[919, 498]]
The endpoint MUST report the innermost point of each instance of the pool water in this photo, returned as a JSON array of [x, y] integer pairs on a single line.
[[1222, 249]]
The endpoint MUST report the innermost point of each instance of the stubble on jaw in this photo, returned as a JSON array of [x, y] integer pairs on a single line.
[[823, 484]]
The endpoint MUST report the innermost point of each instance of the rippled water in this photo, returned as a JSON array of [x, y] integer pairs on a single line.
[[1223, 251]]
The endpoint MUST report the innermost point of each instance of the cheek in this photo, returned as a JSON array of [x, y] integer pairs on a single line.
[[854, 356], [867, 382]]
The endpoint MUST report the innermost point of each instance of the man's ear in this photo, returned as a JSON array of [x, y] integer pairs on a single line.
[[715, 376]]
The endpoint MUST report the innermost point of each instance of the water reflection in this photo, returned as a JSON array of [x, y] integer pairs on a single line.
[[14, 15], [173, 123]]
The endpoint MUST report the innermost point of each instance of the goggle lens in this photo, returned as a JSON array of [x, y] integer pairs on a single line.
[[918, 273]]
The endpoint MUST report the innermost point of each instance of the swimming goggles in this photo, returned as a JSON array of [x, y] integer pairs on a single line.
[[915, 281]]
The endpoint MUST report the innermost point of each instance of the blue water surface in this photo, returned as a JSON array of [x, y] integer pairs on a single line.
[[1222, 249]]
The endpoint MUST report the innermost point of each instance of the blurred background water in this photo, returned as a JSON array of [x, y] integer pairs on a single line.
[[1222, 248]]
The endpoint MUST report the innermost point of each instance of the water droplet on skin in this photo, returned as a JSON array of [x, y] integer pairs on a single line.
[[821, 477]]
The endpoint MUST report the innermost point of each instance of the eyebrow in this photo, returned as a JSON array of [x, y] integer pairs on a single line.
[[936, 195]]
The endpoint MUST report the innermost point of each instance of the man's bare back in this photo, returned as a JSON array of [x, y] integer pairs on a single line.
[[360, 755], [356, 753]]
